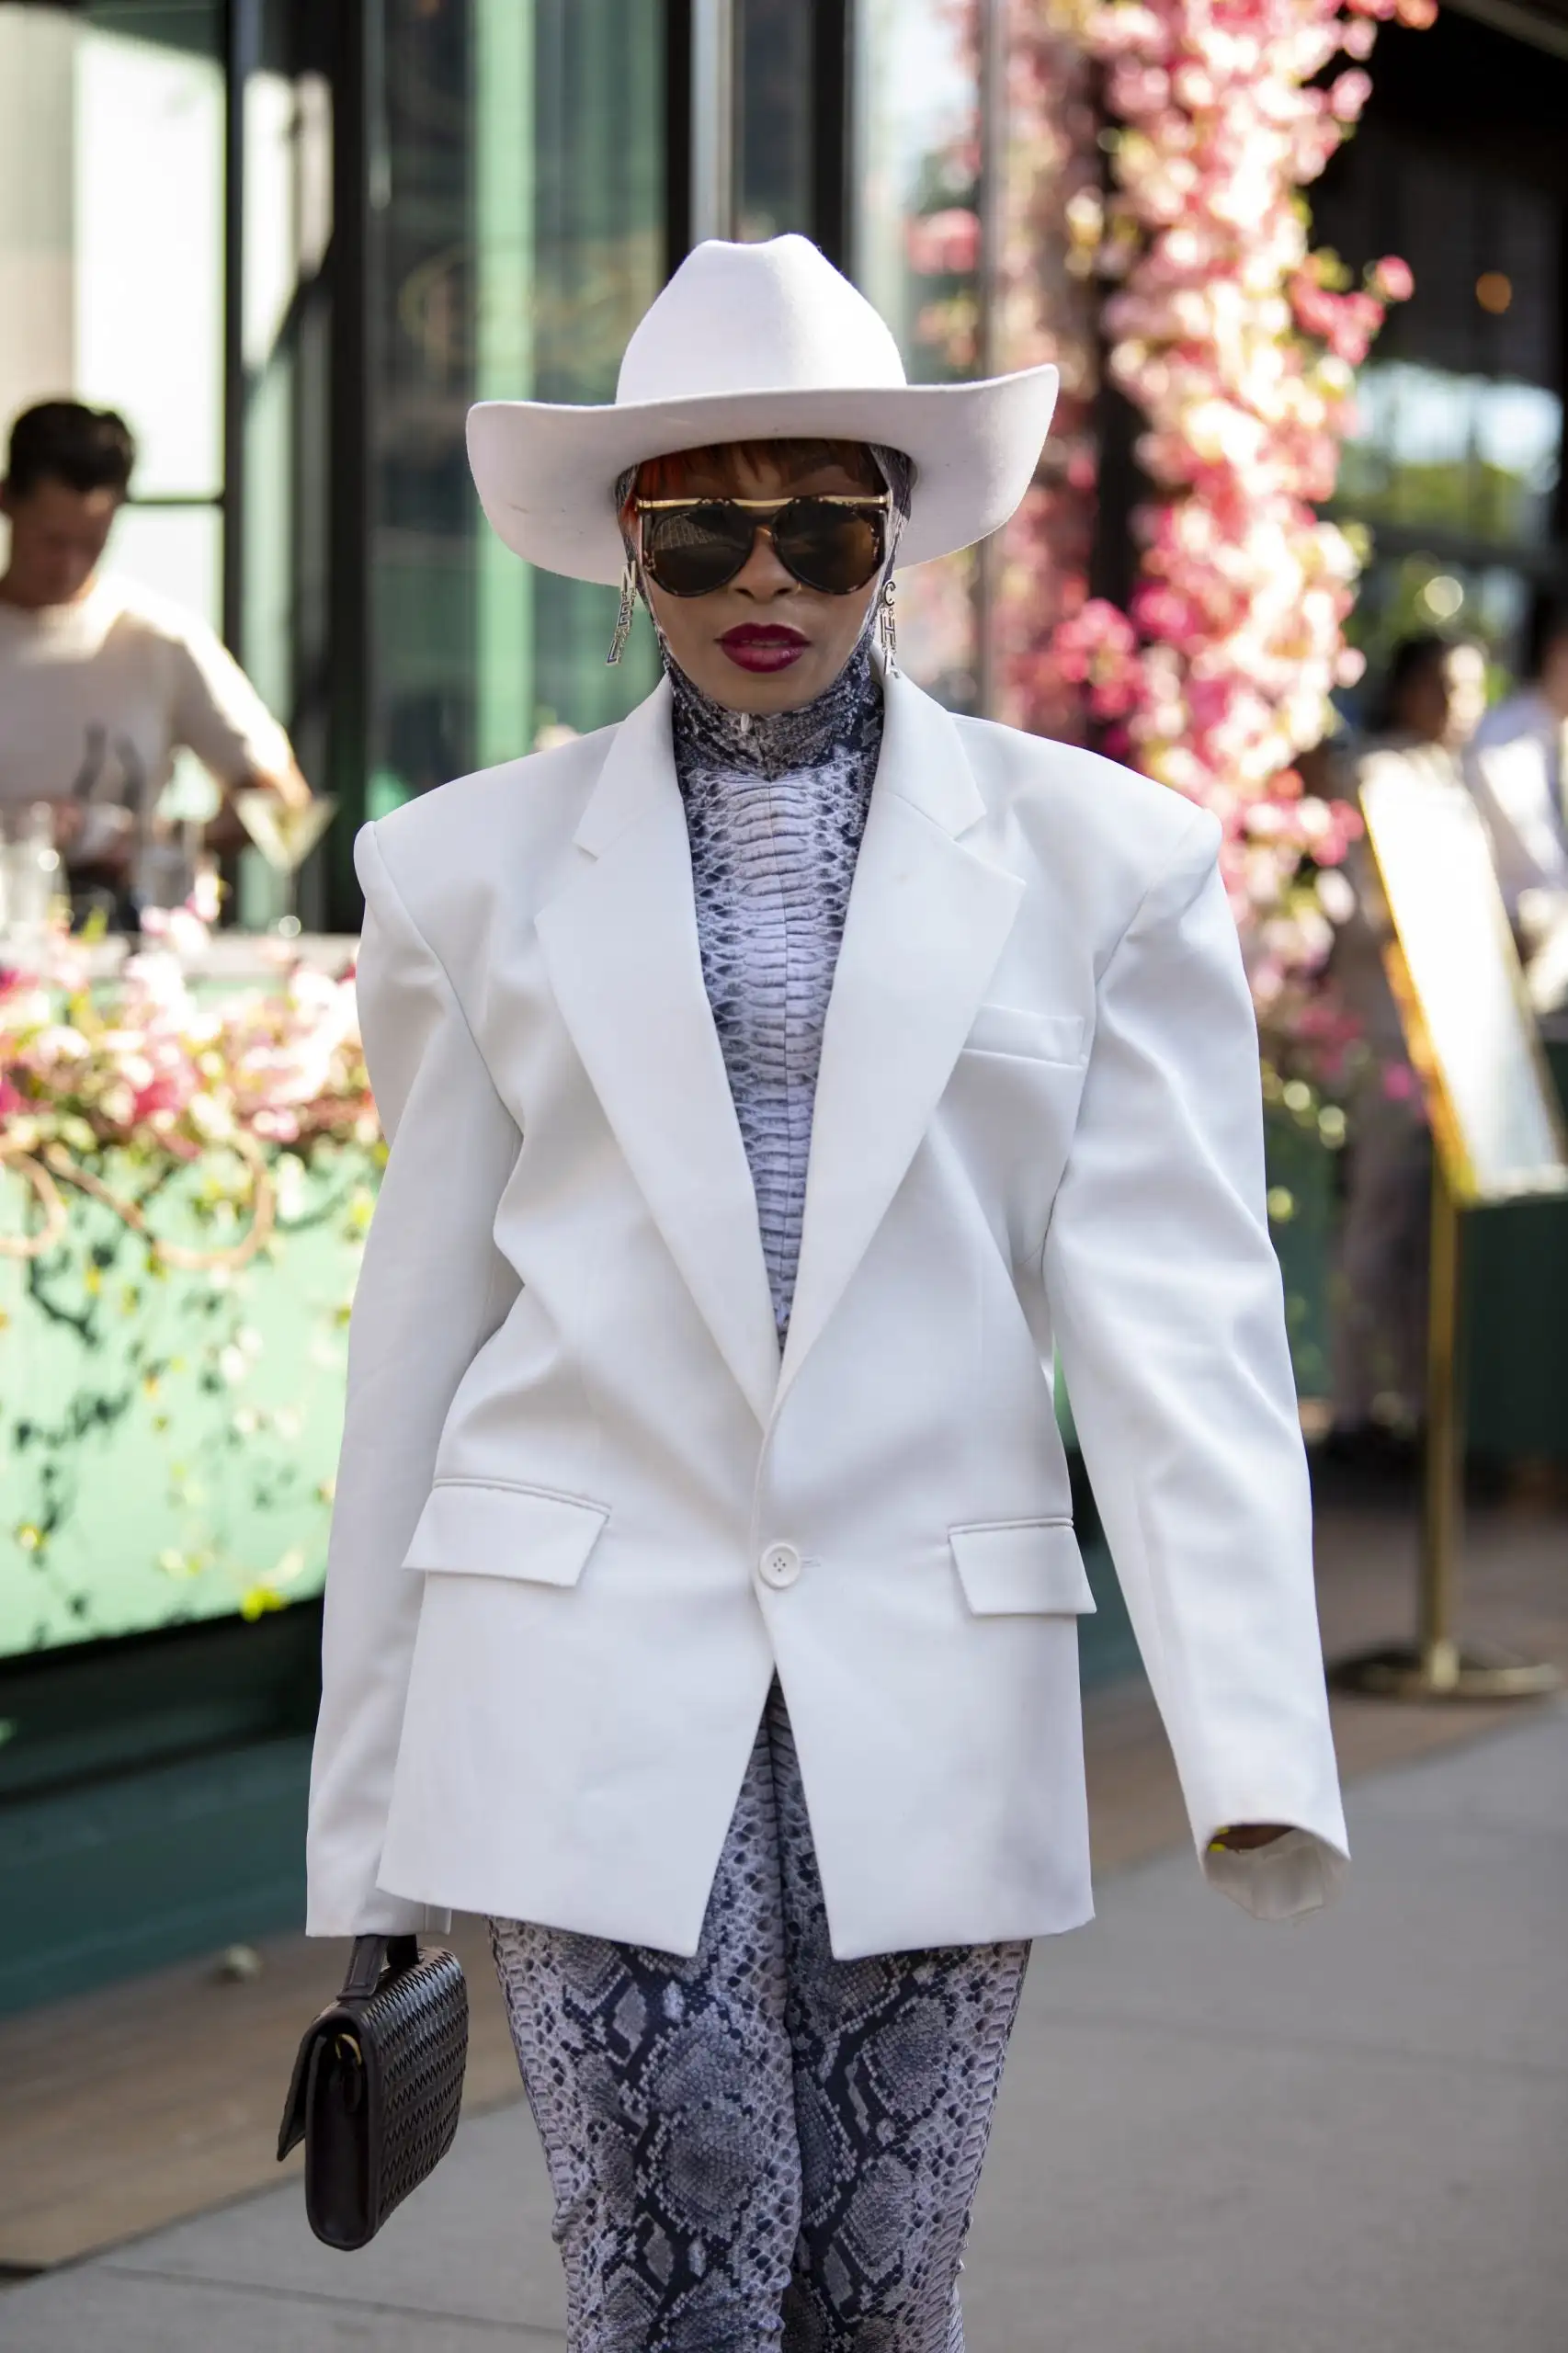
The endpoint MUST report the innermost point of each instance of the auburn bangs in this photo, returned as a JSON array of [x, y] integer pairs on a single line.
[[669, 477]]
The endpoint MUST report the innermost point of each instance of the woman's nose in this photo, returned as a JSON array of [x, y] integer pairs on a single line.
[[762, 575]]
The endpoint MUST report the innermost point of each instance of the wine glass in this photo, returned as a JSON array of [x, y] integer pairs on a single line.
[[285, 837]]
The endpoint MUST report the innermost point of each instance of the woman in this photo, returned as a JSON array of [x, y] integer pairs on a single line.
[[772, 1079], [1432, 695]]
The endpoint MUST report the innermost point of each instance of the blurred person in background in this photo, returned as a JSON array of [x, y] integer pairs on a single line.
[[101, 680], [1518, 769], [1433, 695]]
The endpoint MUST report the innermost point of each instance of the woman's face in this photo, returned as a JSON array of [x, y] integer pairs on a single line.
[[1464, 675], [1444, 700], [764, 641]]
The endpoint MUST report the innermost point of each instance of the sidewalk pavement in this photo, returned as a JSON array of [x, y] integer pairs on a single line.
[[1345, 2136]]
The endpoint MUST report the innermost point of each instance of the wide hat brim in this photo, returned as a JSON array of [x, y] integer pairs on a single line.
[[546, 473]]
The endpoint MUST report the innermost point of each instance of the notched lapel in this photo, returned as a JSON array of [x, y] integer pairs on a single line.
[[619, 944], [928, 919]]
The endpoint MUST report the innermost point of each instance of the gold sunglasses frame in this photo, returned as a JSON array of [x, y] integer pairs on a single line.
[[879, 499], [878, 502]]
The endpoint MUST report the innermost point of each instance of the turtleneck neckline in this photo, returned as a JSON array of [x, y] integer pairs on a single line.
[[773, 743]]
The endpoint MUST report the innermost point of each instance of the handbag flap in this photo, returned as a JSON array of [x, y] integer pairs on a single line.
[[292, 2131], [339, 2154]]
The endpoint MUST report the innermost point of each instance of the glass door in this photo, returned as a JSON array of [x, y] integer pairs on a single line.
[[111, 257], [517, 210]]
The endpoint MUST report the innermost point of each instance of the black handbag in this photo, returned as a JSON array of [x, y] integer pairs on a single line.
[[377, 2085]]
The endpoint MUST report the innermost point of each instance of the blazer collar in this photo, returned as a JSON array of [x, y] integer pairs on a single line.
[[619, 943], [924, 761], [928, 918], [638, 775]]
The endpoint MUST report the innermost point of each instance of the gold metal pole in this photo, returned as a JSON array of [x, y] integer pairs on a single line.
[[1406, 835], [1435, 1668], [1442, 1469]]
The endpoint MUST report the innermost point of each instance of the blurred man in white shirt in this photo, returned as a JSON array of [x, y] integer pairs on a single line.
[[1518, 769], [101, 681]]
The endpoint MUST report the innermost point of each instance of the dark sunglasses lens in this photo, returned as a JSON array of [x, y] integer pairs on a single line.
[[691, 551], [834, 549]]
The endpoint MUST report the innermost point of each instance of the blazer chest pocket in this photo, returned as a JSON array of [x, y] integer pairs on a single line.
[[1030, 1037], [468, 1528], [1021, 1568]]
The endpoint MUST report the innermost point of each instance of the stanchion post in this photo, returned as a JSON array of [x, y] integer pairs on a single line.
[[1497, 1135], [1442, 1470], [1434, 1667]]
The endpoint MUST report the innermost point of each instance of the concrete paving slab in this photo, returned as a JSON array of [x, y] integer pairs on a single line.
[[1516, 1785], [98, 2304], [473, 2241], [1448, 1942], [1151, 2193]]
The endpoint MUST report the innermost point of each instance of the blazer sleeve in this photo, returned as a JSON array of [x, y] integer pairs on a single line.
[[1167, 1305], [432, 1289]]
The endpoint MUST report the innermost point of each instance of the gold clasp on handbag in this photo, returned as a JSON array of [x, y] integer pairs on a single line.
[[351, 2058]]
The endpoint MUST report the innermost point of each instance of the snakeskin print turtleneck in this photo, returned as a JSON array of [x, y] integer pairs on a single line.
[[776, 805]]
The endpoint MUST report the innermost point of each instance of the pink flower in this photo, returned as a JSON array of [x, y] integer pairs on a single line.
[[1349, 94], [1393, 280]]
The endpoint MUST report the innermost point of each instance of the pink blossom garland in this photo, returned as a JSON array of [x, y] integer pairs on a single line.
[[142, 1063], [1237, 344], [1048, 169]]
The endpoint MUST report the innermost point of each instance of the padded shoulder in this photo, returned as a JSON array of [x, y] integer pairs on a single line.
[[446, 851], [1105, 834]]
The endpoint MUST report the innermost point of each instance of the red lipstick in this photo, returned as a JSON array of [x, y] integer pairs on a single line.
[[763, 645]]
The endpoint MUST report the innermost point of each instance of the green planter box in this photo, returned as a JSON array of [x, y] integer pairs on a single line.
[[169, 1440]]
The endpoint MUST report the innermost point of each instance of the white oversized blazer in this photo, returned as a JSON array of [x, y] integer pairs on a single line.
[[585, 1515]]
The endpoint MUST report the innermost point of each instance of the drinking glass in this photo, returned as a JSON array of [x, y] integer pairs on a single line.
[[285, 837], [30, 870]]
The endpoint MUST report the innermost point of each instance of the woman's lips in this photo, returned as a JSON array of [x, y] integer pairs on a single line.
[[763, 646]]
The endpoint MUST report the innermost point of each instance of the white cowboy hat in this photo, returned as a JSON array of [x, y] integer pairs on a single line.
[[755, 342]]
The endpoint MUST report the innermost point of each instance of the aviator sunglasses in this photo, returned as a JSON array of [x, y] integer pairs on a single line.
[[691, 545]]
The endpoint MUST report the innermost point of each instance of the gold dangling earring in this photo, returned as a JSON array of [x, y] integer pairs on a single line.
[[623, 617], [887, 625]]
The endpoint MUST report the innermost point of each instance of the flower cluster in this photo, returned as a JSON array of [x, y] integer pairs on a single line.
[[147, 1063], [1050, 165], [1236, 343]]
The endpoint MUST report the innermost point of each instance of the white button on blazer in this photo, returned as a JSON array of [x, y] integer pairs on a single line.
[[585, 1514], [780, 1567]]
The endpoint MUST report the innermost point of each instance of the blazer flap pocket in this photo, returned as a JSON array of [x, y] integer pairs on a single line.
[[1029, 1567], [470, 1529], [1040, 1036]]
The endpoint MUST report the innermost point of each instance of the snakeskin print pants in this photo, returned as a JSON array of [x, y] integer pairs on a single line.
[[761, 2145]]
